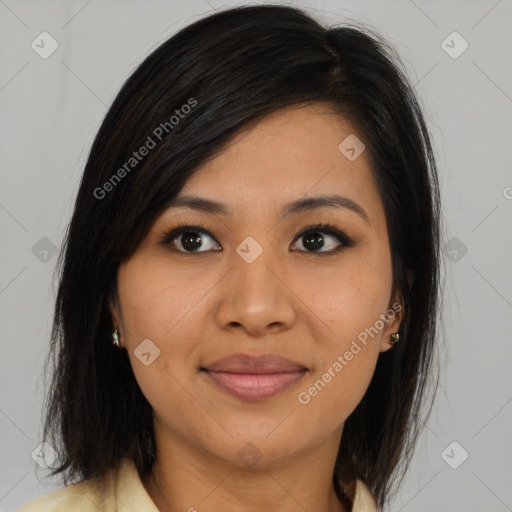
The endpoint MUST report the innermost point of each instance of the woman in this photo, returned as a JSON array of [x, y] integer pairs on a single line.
[[246, 316]]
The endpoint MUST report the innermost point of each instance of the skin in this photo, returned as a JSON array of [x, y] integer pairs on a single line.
[[293, 301]]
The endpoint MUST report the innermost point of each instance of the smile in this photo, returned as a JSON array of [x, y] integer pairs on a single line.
[[255, 386]]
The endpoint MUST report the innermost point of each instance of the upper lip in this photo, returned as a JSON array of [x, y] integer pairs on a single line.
[[265, 363]]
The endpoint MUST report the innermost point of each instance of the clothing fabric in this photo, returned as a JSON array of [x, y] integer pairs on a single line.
[[122, 490]]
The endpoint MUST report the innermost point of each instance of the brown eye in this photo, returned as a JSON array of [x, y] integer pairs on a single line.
[[315, 239], [321, 236], [190, 238]]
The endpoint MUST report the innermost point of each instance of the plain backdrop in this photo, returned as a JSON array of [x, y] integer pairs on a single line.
[[52, 106]]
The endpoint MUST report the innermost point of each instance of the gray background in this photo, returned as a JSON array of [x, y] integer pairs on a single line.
[[51, 109]]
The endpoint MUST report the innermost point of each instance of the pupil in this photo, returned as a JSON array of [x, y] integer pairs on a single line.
[[189, 239], [310, 241]]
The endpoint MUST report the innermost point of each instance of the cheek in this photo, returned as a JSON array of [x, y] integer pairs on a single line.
[[350, 303], [161, 305], [335, 391], [155, 298], [349, 296]]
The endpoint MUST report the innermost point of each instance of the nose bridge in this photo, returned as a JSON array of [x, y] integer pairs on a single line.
[[255, 296], [252, 260]]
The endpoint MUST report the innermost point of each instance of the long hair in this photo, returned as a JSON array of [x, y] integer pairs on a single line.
[[231, 69]]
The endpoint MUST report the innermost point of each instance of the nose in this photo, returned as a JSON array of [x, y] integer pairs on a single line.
[[257, 297]]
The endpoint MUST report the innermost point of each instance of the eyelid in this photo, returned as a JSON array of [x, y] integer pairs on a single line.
[[327, 228], [183, 227]]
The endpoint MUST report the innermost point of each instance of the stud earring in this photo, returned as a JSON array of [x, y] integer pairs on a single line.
[[395, 338], [115, 338]]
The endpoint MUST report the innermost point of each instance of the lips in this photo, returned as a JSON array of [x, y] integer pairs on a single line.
[[266, 363], [254, 377]]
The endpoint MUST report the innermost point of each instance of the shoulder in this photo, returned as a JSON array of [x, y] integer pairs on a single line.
[[364, 501], [120, 490], [87, 496]]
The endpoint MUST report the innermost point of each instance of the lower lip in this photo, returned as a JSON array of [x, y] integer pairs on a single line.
[[255, 386]]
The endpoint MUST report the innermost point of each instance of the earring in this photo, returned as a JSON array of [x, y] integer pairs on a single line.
[[115, 338], [395, 338]]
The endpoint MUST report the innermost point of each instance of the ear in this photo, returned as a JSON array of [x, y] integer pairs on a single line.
[[392, 320], [113, 306]]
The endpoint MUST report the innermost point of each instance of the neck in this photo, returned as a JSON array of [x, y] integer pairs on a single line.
[[183, 481]]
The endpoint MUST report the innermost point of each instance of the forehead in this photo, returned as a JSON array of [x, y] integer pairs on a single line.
[[296, 152]]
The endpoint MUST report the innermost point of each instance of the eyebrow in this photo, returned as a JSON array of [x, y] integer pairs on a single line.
[[292, 208]]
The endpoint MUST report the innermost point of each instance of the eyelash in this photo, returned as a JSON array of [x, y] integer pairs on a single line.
[[327, 228]]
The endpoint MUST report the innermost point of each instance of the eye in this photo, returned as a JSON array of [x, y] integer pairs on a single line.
[[313, 240], [189, 237]]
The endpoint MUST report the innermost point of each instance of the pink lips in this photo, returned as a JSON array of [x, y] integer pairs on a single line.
[[255, 378]]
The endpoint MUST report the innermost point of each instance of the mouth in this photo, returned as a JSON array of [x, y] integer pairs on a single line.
[[254, 378], [255, 386]]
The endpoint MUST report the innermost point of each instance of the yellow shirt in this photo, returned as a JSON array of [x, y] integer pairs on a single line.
[[123, 491]]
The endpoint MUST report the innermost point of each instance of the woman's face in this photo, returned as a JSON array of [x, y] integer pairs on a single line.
[[250, 286]]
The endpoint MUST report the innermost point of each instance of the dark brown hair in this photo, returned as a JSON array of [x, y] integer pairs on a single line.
[[233, 68]]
